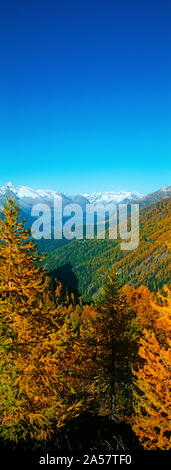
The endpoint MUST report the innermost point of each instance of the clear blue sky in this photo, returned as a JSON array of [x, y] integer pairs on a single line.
[[85, 94]]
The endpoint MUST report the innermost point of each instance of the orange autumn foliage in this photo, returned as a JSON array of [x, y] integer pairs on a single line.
[[152, 382], [37, 390], [141, 300]]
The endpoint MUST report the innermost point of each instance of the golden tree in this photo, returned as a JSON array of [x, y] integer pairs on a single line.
[[142, 301], [35, 394], [79, 351], [152, 383]]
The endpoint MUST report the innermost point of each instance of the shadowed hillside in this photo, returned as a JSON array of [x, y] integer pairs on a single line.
[[149, 264]]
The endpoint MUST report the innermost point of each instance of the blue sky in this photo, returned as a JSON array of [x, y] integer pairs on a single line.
[[85, 94]]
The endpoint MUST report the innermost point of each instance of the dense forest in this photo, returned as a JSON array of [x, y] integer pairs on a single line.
[[83, 265], [76, 373]]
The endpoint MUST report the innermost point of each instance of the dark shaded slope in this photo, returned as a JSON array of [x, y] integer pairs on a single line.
[[149, 264]]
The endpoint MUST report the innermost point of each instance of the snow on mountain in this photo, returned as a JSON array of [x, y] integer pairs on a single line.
[[162, 193], [112, 197], [167, 190], [19, 191], [27, 196]]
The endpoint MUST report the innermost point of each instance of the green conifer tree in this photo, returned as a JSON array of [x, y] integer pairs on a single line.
[[116, 332]]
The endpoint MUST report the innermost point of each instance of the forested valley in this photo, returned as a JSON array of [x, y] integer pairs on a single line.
[[77, 373]]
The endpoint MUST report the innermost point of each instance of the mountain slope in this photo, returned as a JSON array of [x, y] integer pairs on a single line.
[[159, 195], [83, 264]]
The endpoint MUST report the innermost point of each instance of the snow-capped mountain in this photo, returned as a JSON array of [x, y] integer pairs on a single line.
[[27, 196], [112, 197], [19, 191]]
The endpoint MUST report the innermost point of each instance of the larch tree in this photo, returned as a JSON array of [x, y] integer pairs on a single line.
[[142, 301], [35, 395], [152, 383], [79, 353]]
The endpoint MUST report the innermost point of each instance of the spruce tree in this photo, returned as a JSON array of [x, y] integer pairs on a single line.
[[116, 341]]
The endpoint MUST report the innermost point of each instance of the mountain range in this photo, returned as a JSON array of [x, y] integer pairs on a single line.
[[27, 197], [82, 264]]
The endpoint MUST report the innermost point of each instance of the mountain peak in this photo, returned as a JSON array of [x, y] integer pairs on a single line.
[[115, 197], [8, 186], [167, 188]]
